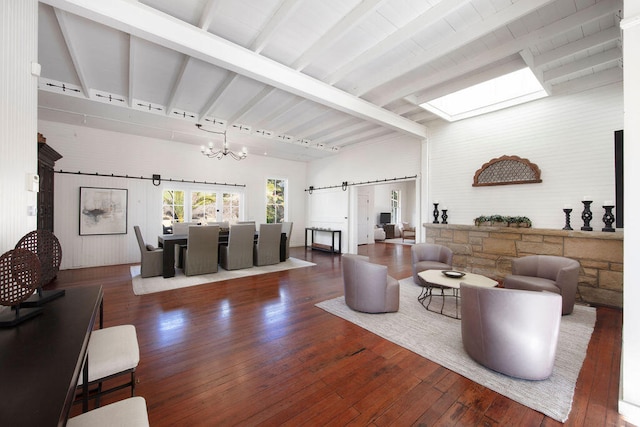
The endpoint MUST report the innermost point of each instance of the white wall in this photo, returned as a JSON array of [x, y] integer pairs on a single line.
[[397, 157], [96, 151], [18, 126], [328, 208], [629, 404], [382, 198], [393, 158], [570, 138]]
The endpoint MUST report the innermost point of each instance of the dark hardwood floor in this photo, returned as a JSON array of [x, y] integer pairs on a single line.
[[256, 351]]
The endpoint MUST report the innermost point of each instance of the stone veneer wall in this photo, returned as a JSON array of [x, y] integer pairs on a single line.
[[489, 251]]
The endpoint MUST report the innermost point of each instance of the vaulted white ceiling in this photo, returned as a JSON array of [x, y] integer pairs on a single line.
[[302, 79]]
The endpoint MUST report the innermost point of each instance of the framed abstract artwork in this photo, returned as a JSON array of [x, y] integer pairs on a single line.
[[103, 211]]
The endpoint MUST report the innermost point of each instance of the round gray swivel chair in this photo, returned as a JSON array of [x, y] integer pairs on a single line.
[[368, 287], [428, 256], [546, 273], [514, 332]]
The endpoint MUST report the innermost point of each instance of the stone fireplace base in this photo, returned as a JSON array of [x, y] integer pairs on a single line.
[[489, 251]]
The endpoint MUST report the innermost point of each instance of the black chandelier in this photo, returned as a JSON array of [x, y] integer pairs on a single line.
[[211, 153]]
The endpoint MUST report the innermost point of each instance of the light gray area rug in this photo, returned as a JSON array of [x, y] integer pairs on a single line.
[[151, 285], [438, 338], [398, 241]]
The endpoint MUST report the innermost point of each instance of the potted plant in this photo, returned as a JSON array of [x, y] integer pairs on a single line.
[[502, 221], [524, 222], [481, 220]]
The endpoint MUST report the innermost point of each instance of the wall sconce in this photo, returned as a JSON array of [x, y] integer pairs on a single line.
[[156, 180], [344, 185]]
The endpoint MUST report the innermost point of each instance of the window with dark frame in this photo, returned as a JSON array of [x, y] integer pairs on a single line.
[[275, 200]]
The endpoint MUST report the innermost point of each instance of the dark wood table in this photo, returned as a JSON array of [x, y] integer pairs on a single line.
[[321, 247], [167, 242], [41, 360]]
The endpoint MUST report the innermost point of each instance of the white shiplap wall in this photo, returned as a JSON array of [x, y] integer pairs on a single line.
[[96, 151], [18, 107], [570, 138], [629, 399], [382, 201], [394, 158], [328, 208]]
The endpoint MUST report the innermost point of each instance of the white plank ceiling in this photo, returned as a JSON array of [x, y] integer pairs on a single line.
[[303, 79]]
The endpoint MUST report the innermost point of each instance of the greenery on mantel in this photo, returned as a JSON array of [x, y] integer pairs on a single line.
[[500, 220]]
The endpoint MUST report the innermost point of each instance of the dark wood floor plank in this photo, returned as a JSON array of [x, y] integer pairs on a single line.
[[376, 402], [596, 413], [409, 406], [438, 412], [256, 351], [499, 409], [477, 397]]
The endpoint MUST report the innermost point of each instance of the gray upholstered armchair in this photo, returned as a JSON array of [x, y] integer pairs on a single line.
[[407, 231], [368, 287], [428, 256], [150, 257], [546, 273], [511, 331]]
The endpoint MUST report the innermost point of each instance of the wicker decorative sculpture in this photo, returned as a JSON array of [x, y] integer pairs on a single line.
[[19, 278], [46, 246]]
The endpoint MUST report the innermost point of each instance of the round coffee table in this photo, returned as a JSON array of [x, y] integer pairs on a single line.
[[436, 279]]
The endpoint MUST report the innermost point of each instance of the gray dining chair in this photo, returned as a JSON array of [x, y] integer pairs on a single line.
[[224, 225], [201, 254], [248, 222], [267, 248], [150, 257], [238, 252], [180, 228]]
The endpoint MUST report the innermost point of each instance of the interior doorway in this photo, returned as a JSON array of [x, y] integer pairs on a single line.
[[364, 223], [380, 200]]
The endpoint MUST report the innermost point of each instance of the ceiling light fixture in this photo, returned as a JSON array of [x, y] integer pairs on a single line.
[[211, 153]]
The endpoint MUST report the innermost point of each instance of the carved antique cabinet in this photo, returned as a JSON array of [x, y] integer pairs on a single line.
[[47, 158]]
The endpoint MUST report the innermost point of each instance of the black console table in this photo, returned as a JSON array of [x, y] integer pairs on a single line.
[[41, 359], [321, 247]]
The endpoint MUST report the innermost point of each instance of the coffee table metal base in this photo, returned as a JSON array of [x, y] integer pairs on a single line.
[[435, 279], [427, 295]]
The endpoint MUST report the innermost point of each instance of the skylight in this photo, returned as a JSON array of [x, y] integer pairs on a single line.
[[505, 91]]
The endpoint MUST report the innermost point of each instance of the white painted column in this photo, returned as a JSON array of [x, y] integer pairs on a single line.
[[629, 403], [18, 118]]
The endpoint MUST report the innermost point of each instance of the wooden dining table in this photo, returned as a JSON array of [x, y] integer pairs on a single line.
[[168, 244]]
